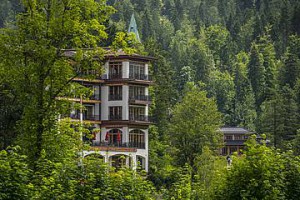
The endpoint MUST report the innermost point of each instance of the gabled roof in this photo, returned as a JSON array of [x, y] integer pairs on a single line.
[[133, 28]]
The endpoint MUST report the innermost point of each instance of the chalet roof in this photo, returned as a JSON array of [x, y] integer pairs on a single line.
[[234, 130]]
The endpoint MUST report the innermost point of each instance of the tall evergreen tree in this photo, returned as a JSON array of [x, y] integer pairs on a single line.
[[244, 103], [256, 74]]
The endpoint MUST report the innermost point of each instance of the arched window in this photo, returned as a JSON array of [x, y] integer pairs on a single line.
[[114, 137], [137, 139]]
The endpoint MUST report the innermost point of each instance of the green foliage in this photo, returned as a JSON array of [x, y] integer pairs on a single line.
[[36, 68], [129, 185], [68, 180], [221, 87], [296, 143], [181, 189], [194, 41], [261, 173], [127, 42], [218, 41], [162, 172], [14, 175], [292, 175], [209, 176], [280, 118], [194, 124], [243, 108], [256, 175]]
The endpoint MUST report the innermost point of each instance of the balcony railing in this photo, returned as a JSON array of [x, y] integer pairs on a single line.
[[115, 76], [140, 77], [131, 76], [142, 118], [115, 117], [115, 97], [86, 117], [140, 98], [119, 144]]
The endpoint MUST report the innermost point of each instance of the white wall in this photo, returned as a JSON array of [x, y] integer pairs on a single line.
[[125, 69], [105, 104]]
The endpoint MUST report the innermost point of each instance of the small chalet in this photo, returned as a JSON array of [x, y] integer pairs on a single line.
[[234, 138]]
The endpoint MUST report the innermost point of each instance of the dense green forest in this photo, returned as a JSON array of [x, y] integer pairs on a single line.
[[219, 63]]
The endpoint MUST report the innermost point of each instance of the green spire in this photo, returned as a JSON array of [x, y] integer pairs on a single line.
[[133, 28]]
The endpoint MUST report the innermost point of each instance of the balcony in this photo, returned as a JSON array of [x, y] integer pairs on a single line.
[[115, 97], [86, 117], [115, 117], [140, 77], [119, 144], [141, 118], [138, 98], [143, 77], [115, 76]]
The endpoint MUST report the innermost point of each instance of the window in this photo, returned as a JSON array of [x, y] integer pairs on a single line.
[[137, 114], [238, 137], [114, 137], [137, 71], [136, 92], [137, 139], [87, 112], [115, 70], [228, 137], [115, 113], [115, 93]]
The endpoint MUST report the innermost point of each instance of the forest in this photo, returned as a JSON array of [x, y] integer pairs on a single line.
[[218, 63]]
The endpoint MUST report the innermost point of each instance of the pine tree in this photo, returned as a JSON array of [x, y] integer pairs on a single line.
[[256, 74], [244, 113]]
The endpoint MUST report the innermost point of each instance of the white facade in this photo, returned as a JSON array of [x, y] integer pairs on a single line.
[[123, 113]]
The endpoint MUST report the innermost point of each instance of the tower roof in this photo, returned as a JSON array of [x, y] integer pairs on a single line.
[[133, 28]]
